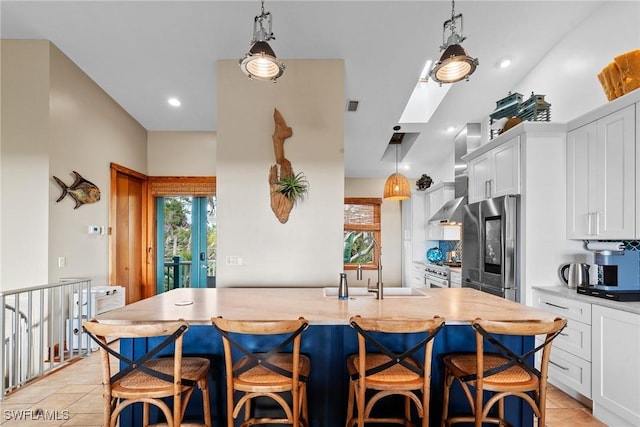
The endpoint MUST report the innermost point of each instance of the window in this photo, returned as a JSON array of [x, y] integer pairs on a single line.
[[361, 232]]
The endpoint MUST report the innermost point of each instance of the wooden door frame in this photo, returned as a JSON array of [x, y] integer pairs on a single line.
[[147, 239], [152, 187]]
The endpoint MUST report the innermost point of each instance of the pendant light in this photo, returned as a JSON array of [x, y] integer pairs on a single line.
[[261, 62], [455, 64], [397, 185]]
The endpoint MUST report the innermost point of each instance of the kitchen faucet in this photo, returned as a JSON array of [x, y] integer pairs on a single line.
[[378, 290]]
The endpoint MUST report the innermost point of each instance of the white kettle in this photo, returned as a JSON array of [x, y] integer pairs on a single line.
[[578, 274]]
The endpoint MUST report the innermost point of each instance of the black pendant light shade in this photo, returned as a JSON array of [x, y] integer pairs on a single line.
[[454, 65]]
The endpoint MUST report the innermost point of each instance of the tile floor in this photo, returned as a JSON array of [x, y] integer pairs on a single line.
[[76, 389]]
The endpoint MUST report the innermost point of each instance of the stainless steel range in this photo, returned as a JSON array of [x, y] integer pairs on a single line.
[[436, 276]]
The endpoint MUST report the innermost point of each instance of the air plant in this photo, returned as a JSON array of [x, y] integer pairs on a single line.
[[293, 187]]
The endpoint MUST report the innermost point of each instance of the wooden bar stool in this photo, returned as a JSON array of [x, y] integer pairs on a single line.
[[503, 372], [390, 372], [276, 372], [149, 379]]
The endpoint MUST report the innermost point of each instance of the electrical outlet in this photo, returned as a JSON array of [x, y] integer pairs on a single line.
[[62, 262], [234, 260]]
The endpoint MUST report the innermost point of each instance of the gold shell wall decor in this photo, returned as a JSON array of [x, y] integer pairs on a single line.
[[286, 188]]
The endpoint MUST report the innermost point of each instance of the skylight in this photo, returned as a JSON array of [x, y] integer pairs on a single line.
[[425, 98]]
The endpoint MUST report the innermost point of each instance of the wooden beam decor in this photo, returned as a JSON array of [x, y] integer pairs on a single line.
[[286, 188]]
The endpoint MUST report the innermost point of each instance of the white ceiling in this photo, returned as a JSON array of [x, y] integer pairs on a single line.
[[141, 52]]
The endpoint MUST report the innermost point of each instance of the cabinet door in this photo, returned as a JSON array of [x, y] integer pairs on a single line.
[[581, 184], [616, 371], [435, 202], [615, 175], [505, 178], [418, 230], [479, 178], [495, 173]]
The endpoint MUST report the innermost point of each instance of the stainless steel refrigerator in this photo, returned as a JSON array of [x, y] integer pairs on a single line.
[[489, 246]]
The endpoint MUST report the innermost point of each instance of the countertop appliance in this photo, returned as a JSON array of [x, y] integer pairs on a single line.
[[436, 276], [618, 276], [575, 274], [489, 244]]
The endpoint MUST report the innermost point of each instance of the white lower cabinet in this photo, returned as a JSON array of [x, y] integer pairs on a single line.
[[455, 278], [616, 366], [570, 370], [597, 355], [570, 362], [417, 275]]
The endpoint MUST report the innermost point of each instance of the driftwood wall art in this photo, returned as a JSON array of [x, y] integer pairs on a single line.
[[281, 205]]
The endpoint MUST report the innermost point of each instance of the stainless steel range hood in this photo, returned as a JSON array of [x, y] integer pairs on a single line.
[[451, 212]]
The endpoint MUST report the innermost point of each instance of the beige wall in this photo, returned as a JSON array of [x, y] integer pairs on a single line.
[[307, 250], [391, 217], [56, 120], [181, 153], [24, 157]]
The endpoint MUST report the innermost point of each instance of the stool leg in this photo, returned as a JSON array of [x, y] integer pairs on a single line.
[[448, 380], [145, 414], [204, 387], [350, 404], [360, 400]]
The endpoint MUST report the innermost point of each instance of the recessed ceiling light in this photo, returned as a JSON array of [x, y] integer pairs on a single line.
[[504, 62], [451, 129], [174, 102], [406, 167]]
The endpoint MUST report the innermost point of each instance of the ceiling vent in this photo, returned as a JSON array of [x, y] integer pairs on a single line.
[[352, 105]]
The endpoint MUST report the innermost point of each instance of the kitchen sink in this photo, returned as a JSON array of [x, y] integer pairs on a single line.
[[332, 292]]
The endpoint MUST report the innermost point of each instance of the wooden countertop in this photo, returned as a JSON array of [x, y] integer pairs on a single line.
[[198, 306]]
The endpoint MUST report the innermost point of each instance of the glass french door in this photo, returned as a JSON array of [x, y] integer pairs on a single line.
[[186, 242]]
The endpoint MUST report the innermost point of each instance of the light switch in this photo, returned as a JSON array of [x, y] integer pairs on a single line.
[[94, 229]]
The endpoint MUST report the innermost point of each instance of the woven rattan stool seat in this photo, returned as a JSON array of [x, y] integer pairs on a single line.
[[193, 368], [515, 375], [393, 376], [260, 375]]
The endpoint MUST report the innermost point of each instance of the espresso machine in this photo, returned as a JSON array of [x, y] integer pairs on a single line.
[[618, 276]]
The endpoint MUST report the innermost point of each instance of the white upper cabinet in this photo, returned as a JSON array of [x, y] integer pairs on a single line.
[[413, 223], [601, 183], [496, 172]]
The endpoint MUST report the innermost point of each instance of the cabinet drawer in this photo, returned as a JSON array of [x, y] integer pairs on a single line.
[[417, 281], [575, 339], [571, 309], [455, 278], [417, 275], [569, 370], [417, 268]]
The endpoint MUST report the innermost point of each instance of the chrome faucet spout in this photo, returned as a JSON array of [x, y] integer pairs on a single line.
[[379, 289]]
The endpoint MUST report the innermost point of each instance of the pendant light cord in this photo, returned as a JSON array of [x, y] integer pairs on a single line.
[[397, 158], [452, 25]]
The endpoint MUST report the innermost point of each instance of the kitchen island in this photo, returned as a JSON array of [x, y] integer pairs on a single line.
[[329, 339]]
